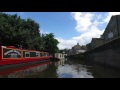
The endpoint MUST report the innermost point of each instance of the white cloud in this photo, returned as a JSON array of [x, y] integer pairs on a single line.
[[43, 31], [83, 20], [66, 43], [88, 25], [83, 39], [109, 16], [73, 71], [99, 17]]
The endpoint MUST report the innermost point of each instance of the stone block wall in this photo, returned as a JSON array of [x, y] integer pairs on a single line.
[[107, 54], [111, 31]]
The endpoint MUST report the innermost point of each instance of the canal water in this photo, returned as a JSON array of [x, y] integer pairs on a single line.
[[59, 69]]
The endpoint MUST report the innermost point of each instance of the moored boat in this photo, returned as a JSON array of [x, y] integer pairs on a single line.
[[13, 55]]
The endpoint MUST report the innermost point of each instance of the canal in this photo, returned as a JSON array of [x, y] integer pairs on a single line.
[[59, 69]]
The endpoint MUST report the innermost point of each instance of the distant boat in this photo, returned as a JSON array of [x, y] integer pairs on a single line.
[[59, 55]]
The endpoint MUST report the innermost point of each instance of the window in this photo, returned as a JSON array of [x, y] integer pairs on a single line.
[[37, 54], [44, 54], [27, 54], [41, 54]]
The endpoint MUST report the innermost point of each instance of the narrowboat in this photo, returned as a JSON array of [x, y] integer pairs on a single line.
[[13, 55]]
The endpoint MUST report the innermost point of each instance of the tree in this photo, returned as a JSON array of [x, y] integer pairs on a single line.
[[50, 43], [25, 33], [18, 32]]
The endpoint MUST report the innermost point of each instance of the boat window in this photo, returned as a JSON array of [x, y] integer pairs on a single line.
[[44, 54], [41, 54], [27, 54], [37, 54]]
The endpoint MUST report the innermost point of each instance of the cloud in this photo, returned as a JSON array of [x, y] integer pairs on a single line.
[[109, 16], [66, 43], [83, 39], [88, 25], [43, 31], [73, 71], [83, 20]]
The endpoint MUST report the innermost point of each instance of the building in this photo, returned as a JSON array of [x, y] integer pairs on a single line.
[[96, 42], [112, 30], [88, 46], [80, 51], [77, 49]]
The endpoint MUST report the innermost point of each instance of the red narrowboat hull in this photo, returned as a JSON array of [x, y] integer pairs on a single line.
[[4, 62], [22, 59]]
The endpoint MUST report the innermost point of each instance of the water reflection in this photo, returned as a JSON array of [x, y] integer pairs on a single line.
[[24, 71], [60, 69], [99, 71], [72, 71]]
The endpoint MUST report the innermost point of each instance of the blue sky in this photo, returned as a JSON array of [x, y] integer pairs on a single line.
[[61, 24], [70, 28]]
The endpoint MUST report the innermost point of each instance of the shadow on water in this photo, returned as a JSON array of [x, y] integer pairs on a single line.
[[105, 72], [99, 71], [64, 68]]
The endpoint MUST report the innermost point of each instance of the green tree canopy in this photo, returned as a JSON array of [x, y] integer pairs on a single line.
[[50, 43], [25, 33], [18, 32]]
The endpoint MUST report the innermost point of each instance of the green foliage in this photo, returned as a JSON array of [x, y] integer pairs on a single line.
[[61, 51], [50, 43], [18, 32]]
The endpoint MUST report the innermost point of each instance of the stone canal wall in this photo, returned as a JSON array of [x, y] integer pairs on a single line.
[[107, 54]]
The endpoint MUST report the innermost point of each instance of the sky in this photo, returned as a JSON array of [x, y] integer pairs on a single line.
[[70, 28]]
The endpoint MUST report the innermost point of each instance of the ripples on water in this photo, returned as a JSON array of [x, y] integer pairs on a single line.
[[73, 71], [21, 72], [58, 69]]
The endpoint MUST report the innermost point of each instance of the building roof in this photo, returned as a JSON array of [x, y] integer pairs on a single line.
[[96, 39], [76, 46]]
